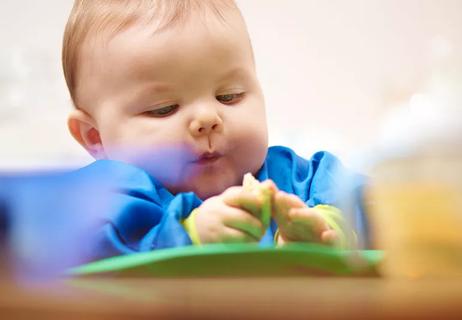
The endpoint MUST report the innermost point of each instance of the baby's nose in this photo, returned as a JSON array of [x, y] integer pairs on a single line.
[[206, 125]]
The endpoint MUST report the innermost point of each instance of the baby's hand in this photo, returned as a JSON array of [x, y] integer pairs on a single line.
[[230, 217], [299, 223]]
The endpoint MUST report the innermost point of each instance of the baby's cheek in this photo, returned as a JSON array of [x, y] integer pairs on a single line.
[[252, 151]]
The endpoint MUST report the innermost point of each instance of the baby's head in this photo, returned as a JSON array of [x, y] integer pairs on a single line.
[[167, 85]]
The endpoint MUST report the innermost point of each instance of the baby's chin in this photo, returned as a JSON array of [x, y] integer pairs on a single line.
[[207, 187]]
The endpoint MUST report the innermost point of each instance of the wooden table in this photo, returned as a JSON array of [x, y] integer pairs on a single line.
[[251, 298]]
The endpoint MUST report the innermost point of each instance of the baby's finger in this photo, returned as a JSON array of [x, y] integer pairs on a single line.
[[240, 198], [329, 237], [242, 221], [309, 217], [270, 185], [293, 201], [236, 236], [285, 201]]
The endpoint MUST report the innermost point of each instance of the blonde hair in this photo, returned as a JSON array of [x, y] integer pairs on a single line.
[[107, 17]]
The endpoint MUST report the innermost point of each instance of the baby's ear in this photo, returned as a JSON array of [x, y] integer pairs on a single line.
[[83, 128]]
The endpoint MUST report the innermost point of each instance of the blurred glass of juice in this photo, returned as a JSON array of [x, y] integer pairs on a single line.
[[415, 198], [416, 214]]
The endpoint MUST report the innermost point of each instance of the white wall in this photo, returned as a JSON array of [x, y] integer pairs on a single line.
[[330, 70], [33, 97]]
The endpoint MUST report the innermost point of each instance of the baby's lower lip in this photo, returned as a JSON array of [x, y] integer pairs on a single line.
[[205, 161]]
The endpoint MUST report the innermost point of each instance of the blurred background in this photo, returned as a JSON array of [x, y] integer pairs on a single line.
[[332, 72]]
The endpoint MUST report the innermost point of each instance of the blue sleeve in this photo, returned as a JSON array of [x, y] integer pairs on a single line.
[[140, 214], [320, 180], [315, 181]]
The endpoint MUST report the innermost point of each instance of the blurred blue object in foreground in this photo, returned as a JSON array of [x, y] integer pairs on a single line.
[[56, 220], [47, 219]]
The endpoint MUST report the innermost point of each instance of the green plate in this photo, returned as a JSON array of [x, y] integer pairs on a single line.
[[237, 260]]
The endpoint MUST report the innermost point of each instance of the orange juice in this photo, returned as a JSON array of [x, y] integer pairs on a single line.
[[416, 215]]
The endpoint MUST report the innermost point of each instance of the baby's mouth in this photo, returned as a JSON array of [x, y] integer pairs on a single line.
[[208, 158]]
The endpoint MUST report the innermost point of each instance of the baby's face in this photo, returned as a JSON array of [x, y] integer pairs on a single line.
[[186, 99]]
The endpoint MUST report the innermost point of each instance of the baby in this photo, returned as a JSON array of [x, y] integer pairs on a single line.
[[167, 100]]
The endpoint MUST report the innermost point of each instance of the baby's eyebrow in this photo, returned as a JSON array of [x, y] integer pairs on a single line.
[[154, 87], [137, 93], [158, 87], [234, 73]]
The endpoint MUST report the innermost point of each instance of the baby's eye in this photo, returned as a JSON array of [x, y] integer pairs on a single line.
[[163, 112], [231, 98]]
